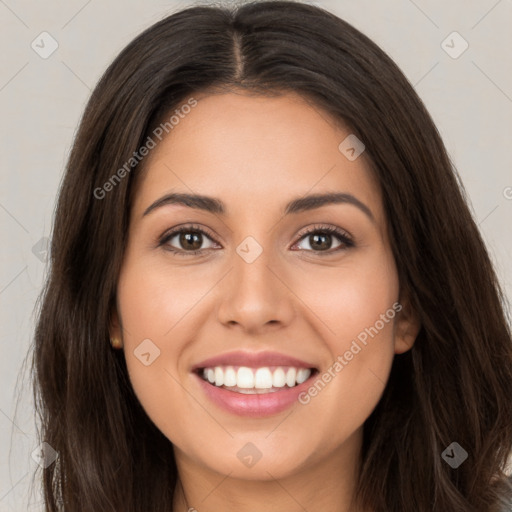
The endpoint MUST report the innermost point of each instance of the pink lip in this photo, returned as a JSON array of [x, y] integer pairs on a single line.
[[254, 405], [252, 360], [257, 405]]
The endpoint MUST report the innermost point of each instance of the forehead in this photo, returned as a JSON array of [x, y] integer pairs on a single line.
[[254, 151]]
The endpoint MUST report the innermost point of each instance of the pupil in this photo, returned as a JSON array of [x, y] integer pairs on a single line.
[[188, 239], [317, 242]]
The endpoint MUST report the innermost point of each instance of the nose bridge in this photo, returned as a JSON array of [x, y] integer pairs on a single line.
[[253, 295], [254, 282], [251, 265]]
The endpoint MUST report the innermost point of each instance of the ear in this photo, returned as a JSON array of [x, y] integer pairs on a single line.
[[407, 326], [115, 328]]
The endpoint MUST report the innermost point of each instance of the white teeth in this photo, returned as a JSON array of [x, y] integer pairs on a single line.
[[303, 375], [291, 377], [263, 378], [278, 379], [246, 378], [219, 376], [229, 377]]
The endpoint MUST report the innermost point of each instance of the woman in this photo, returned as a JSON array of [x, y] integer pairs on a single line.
[[258, 213]]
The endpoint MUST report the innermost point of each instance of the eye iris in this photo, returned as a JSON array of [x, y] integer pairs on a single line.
[[188, 239], [317, 241]]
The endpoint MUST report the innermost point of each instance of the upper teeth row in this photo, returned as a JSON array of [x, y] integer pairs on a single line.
[[258, 378]]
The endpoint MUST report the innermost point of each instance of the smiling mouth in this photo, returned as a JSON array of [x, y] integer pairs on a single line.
[[253, 381]]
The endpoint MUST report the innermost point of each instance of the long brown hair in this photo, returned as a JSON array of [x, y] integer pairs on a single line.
[[455, 385]]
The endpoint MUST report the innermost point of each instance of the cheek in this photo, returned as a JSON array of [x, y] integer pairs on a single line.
[[357, 306], [351, 298], [153, 300], [153, 306]]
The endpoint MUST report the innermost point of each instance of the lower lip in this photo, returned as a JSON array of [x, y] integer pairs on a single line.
[[255, 405]]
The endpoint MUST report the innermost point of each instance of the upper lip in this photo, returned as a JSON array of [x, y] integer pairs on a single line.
[[252, 360]]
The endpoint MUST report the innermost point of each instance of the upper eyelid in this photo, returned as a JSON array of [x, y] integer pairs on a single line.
[[188, 227], [335, 230]]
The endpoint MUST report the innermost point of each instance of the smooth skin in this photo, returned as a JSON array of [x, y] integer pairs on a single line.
[[307, 300]]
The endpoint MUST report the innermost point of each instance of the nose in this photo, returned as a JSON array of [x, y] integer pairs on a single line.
[[255, 294]]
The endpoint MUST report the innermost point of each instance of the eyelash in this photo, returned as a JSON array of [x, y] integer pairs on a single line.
[[343, 237]]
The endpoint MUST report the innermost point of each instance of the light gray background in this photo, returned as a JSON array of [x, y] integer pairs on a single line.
[[470, 99]]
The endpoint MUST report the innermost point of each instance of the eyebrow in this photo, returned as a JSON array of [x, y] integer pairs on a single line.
[[301, 204]]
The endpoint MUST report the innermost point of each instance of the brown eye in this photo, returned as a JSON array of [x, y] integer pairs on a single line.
[[190, 240], [321, 240], [186, 241]]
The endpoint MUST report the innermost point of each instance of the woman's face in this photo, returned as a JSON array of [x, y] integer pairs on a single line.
[[262, 305]]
